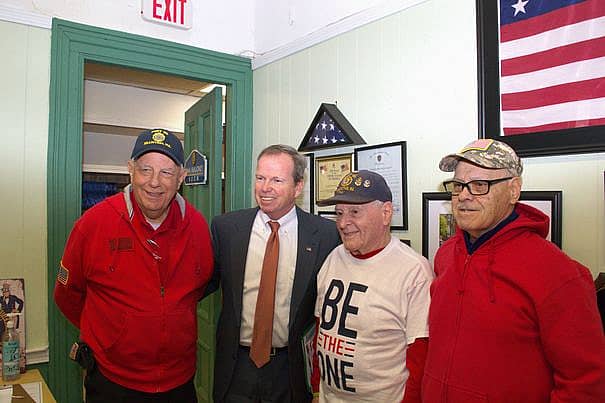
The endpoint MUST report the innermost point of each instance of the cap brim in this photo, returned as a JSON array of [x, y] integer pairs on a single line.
[[343, 199]]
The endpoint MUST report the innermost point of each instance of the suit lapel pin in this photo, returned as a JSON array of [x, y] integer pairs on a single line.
[[308, 249]]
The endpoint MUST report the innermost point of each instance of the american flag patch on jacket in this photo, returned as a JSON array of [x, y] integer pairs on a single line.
[[62, 274]]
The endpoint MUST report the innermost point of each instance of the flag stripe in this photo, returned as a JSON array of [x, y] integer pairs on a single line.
[[554, 126], [568, 111], [578, 71], [579, 32], [588, 89], [562, 55], [556, 19]]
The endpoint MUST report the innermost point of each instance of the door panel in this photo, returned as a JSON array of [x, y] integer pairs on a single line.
[[204, 132]]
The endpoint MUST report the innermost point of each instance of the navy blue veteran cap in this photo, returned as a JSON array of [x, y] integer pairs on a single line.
[[359, 188], [161, 141]]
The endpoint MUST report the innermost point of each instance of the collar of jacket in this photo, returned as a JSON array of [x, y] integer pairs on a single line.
[[180, 201]]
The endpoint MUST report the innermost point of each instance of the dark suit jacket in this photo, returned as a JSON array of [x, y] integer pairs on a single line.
[[231, 235]]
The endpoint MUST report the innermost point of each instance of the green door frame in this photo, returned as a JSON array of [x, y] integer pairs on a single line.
[[71, 46]]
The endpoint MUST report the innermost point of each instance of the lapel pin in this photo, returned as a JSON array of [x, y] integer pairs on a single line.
[[308, 248]]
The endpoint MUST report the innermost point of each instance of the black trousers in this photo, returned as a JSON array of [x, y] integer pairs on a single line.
[[270, 383], [99, 389]]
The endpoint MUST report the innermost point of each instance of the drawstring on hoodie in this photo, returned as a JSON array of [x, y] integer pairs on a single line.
[[490, 277]]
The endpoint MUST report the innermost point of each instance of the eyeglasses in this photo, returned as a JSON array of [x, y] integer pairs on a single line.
[[476, 188]]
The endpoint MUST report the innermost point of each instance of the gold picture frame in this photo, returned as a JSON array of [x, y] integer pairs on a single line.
[[329, 170]]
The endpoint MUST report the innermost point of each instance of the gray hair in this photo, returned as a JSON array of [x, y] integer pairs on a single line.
[[300, 163]]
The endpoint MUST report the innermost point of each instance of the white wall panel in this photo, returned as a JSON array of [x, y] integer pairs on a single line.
[[24, 116], [413, 76]]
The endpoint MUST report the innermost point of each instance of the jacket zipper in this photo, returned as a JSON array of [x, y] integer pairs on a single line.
[[460, 293]]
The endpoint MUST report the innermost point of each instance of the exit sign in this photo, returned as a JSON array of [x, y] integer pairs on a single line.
[[176, 13]]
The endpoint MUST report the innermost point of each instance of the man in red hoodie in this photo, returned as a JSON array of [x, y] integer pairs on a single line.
[[512, 317], [133, 269]]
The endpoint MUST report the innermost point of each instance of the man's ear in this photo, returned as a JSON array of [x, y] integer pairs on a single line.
[[130, 169], [182, 176], [515, 189], [387, 212]]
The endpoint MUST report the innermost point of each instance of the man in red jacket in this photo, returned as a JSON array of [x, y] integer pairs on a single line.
[[512, 317], [133, 269]]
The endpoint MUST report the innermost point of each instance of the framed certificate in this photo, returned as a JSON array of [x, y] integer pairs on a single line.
[[328, 173], [389, 161]]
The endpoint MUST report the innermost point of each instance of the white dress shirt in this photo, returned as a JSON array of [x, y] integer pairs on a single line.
[[288, 241]]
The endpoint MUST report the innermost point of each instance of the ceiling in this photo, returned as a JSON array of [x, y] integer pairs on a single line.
[[120, 75]]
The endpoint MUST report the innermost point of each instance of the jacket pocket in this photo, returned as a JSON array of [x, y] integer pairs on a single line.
[[136, 344]]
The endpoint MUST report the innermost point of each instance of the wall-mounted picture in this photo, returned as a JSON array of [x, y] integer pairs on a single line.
[[438, 223], [12, 308], [305, 200], [389, 160], [330, 215], [329, 170]]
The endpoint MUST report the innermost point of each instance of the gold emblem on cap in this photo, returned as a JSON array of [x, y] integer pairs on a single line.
[[367, 183], [358, 181], [346, 181], [159, 137]]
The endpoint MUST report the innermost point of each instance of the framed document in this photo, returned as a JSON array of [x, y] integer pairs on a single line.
[[305, 199], [389, 160], [328, 173]]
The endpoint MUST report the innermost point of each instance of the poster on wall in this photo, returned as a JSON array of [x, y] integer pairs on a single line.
[[12, 307]]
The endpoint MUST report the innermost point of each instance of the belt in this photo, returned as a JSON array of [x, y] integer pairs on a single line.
[[272, 353]]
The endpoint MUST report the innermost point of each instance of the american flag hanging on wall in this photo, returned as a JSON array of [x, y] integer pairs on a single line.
[[552, 64]]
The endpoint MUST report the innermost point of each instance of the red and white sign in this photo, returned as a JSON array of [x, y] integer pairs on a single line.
[[176, 13]]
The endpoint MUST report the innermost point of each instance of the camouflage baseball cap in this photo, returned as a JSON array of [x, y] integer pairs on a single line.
[[486, 153], [359, 188]]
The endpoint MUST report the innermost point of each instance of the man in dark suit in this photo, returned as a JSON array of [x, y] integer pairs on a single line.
[[240, 239]]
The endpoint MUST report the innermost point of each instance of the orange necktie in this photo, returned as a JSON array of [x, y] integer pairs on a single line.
[[265, 302]]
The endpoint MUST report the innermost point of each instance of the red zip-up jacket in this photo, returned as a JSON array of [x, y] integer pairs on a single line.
[[516, 321], [133, 291]]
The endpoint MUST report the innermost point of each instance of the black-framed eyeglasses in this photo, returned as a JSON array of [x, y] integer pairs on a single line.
[[476, 187]]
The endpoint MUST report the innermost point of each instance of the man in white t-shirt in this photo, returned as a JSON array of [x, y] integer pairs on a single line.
[[372, 301]]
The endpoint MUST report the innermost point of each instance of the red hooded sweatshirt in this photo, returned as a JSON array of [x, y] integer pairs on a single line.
[[515, 321]]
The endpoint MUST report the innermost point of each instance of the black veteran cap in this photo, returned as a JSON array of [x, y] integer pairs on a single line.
[[359, 188], [161, 141]]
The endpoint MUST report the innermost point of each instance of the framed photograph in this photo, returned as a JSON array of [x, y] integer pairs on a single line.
[[12, 307], [329, 171], [438, 223], [305, 200], [330, 215], [389, 160], [550, 203], [536, 95]]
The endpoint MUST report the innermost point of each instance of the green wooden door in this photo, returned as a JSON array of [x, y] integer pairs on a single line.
[[72, 45], [204, 132]]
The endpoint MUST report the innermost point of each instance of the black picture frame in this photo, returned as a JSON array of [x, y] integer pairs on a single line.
[[308, 203], [366, 158], [330, 215], [588, 139], [440, 203]]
